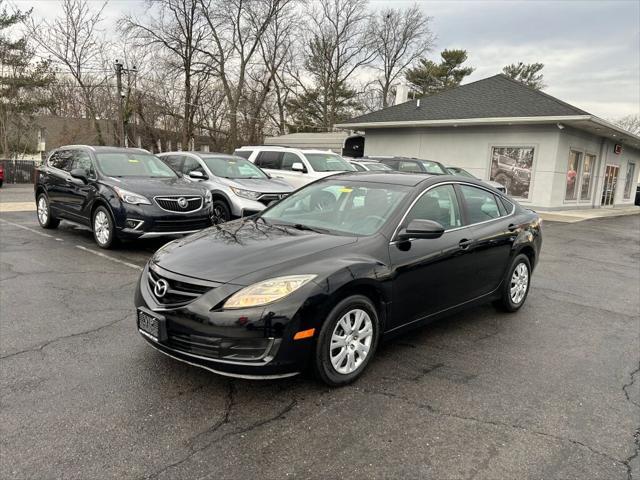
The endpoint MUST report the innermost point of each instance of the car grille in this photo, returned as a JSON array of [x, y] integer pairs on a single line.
[[221, 348], [267, 198], [176, 293], [180, 204], [182, 225]]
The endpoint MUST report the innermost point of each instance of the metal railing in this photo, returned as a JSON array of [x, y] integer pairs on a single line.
[[19, 171]]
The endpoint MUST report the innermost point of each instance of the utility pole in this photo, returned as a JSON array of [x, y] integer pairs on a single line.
[[119, 70]]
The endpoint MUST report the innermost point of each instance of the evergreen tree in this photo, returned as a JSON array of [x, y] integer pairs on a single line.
[[429, 77], [22, 80], [527, 73]]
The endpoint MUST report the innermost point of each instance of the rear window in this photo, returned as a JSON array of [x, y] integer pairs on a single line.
[[243, 153], [328, 162], [433, 167]]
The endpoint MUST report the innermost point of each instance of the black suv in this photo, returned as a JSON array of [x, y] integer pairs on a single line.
[[413, 165], [121, 193]]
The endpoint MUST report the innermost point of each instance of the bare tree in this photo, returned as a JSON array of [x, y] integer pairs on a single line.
[[236, 28], [399, 37], [630, 123], [178, 28], [74, 41]]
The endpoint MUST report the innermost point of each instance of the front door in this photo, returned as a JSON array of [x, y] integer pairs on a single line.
[[80, 193], [610, 182], [430, 275]]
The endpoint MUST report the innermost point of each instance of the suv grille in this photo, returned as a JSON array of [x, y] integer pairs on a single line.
[[170, 292], [179, 203]]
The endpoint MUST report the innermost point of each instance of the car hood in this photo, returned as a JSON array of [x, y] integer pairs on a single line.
[[262, 185], [226, 253], [150, 187]]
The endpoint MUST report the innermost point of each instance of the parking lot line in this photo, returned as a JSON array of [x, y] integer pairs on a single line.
[[42, 234], [108, 257]]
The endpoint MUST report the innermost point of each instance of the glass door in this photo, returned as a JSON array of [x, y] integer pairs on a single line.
[[610, 182]]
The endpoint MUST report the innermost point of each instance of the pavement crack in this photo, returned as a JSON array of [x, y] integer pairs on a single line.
[[40, 347], [495, 423], [218, 425], [627, 385]]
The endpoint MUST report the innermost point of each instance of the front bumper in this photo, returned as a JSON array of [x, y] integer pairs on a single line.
[[243, 207], [255, 342], [146, 221]]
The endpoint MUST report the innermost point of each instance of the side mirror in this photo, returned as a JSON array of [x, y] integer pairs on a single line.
[[298, 167], [196, 175], [421, 229], [80, 174]]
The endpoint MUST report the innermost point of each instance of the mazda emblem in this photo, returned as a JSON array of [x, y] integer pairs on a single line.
[[182, 202], [160, 288]]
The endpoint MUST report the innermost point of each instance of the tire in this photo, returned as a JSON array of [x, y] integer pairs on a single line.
[[512, 301], [43, 212], [103, 228], [326, 358], [220, 212]]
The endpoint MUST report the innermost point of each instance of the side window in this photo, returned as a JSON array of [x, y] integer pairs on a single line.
[[243, 153], [409, 167], [289, 159], [271, 160], [83, 160], [359, 168], [62, 159], [508, 206], [174, 161], [190, 165], [481, 204], [439, 204]]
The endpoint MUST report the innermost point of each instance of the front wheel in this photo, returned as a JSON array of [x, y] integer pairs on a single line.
[[220, 212], [515, 287], [347, 341], [103, 228], [45, 219]]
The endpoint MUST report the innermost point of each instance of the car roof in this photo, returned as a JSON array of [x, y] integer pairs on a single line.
[[202, 154], [284, 148], [104, 148]]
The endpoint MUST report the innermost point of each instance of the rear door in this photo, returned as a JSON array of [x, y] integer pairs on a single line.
[[59, 179], [494, 229]]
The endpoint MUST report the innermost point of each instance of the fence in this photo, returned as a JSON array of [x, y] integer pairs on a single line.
[[19, 171]]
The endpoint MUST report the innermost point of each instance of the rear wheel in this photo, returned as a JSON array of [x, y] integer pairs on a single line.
[[220, 212], [103, 228], [515, 287], [45, 218], [347, 341]]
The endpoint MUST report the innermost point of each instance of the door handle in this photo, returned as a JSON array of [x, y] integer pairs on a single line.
[[512, 227], [464, 244]]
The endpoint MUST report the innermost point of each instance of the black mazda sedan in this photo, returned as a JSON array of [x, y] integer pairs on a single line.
[[319, 278], [120, 193]]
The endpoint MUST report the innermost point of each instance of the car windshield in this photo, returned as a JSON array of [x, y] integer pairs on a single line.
[[338, 207], [460, 171], [328, 162], [133, 164], [233, 167], [377, 166], [433, 167]]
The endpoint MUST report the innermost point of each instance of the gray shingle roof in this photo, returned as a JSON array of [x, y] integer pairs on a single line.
[[497, 96]]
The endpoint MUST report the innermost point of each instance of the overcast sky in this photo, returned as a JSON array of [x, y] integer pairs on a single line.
[[591, 49]]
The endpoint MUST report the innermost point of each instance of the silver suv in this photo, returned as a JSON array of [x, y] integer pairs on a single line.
[[237, 186], [296, 166]]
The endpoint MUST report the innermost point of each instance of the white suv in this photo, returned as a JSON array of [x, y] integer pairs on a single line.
[[296, 166]]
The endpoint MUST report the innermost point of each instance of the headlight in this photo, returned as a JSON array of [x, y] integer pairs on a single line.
[[269, 291], [207, 197], [130, 197], [246, 193]]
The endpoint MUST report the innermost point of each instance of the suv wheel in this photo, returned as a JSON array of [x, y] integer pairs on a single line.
[[103, 228], [45, 219], [347, 341], [220, 212]]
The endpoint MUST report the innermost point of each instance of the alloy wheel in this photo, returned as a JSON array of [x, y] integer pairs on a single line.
[[218, 215], [43, 210], [351, 341], [519, 283], [102, 227]]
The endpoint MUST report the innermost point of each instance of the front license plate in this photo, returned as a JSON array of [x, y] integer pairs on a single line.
[[151, 324]]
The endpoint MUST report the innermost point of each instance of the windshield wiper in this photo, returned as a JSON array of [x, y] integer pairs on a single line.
[[299, 226]]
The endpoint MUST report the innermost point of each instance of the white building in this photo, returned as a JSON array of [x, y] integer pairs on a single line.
[[550, 154]]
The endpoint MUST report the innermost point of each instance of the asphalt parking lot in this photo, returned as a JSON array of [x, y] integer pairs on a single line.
[[552, 392]]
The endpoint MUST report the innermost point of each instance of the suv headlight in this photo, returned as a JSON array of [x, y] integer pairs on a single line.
[[246, 193], [268, 291], [207, 197], [129, 197]]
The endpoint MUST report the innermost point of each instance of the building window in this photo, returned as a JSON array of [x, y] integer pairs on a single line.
[[587, 174], [629, 179], [573, 172], [511, 167]]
